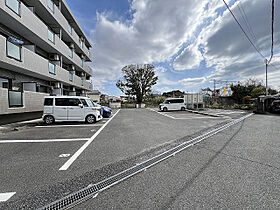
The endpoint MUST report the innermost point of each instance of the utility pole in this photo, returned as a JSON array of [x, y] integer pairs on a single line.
[[266, 87], [214, 88], [267, 62]]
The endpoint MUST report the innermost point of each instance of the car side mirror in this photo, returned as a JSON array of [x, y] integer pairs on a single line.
[[81, 105]]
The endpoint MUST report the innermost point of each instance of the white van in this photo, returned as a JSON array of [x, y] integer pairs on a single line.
[[173, 104], [70, 108]]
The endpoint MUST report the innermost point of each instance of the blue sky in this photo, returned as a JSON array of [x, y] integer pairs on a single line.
[[189, 42], [85, 10]]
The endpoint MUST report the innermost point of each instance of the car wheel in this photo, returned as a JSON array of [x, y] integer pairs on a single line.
[[49, 119], [165, 109], [183, 109], [90, 119]]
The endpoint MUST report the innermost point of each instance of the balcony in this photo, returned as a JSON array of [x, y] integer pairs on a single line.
[[59, 19], [35, 30], [34, 65]]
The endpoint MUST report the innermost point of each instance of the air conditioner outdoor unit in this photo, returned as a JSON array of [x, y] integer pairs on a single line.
[[54, 57], [71, 46], [72, 67]]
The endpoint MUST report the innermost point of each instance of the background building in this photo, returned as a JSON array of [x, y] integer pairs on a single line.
[[95, 95], [174, 94], [43, 51]]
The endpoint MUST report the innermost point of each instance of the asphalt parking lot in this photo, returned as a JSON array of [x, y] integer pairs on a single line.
[[42, 163]]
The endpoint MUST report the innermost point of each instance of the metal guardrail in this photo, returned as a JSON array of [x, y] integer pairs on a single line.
[[93, 189]]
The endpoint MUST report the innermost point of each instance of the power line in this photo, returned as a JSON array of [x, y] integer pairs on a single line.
[[249, 25], [244, 30]]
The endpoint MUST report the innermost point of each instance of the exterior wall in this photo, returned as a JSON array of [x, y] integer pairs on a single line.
[[95, 98], [61, 20], [19, 78], [38, 66], [38, 31], [115, 105], [75, 20], [32, 101], [36, 52]]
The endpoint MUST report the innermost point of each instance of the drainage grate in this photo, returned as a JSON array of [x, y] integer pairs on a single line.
[[93, 189]]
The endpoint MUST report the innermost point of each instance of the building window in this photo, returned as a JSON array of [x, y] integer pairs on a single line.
[[13, 51], [51, 5], [81, 62], [51, 68], [71, 76], [14, 5], [5, 83], [15, 98], [69, 28], [82, 82], [70, 52], [51, 35]]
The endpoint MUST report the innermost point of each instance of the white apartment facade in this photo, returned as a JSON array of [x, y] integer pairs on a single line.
[[43, 51]]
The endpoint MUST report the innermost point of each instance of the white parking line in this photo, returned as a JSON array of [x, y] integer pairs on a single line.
[[64, 155], [58, 126], [221, 113], [6, 196], [183, 118], [161, 113], [41, 140], [77, 154]]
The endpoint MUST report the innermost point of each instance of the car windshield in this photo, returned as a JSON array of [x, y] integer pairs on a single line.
[[90, 103]]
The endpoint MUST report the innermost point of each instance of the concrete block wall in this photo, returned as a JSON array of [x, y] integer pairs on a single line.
[[32, 101]]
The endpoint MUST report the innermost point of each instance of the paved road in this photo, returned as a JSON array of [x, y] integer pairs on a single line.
[[32, 169], [238, 169]]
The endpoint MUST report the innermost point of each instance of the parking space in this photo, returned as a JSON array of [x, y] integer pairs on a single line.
[[37, 130], [37, 157], [234, 114], [201, 114], [32, 153], [27, 167]]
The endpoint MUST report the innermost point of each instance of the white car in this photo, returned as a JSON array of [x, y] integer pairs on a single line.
[[70, 108], [173, 104]]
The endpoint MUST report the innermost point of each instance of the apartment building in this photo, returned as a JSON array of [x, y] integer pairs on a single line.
[[43, 51]]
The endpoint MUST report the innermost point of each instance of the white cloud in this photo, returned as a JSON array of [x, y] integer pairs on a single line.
[[160, 69], [190, 58], [192, 82], [226, 49], [157, 31], [160, 29]]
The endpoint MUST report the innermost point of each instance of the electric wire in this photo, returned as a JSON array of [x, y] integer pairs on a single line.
[[251, 42], [244, 31]]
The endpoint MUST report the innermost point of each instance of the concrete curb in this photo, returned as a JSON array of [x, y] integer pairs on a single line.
[[18, 125]]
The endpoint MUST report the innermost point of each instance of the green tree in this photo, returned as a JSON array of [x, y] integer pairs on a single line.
[[240, 90], [272, 91], [137, 80], [256, 92]]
